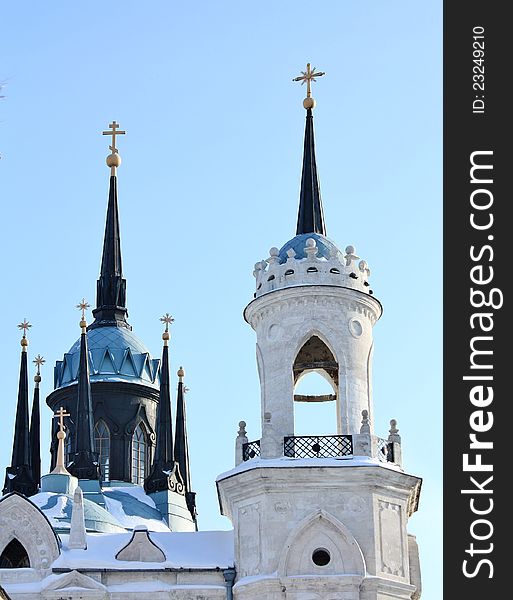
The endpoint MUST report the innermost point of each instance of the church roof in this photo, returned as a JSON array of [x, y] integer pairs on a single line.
[[115, 354], [125, 508]]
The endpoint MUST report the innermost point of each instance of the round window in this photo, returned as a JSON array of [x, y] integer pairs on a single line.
[[321, 557]]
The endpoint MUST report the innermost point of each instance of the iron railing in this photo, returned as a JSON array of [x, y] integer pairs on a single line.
[[250, 450], [317, 446]]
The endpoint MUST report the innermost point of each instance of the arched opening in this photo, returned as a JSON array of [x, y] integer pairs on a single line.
[[102, 447], [68, 448], [315, 389], [139, 454], [14, 556]]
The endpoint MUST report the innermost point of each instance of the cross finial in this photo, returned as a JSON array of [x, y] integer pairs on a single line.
[[25, 326], [114, 132], [83, 306], [309, 76], [60, 414], [167, 319], [38, 361]]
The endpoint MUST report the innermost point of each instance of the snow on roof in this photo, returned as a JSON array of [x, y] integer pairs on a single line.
[[183, 550], [286, 462]]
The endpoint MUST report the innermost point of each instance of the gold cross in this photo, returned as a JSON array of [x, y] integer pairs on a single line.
[[60, 414], [38, 361], [25, 326], [309, 76], [114, 132], [167, 319], [83, 306]]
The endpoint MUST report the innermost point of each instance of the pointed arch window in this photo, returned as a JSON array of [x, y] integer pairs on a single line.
[[14, 556], [102, 447], [139, 454]]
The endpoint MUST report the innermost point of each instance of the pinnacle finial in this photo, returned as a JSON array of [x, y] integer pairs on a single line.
[[38, 361], [114, 159], [25, 326], [309, 76], [180, 373], [83, 306], [167, 319]]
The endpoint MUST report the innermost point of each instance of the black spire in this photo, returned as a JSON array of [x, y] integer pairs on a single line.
[[164, 474], [84, 464], [19, 477], [182, 445], [35, 426], [310, 216], [111, 286]]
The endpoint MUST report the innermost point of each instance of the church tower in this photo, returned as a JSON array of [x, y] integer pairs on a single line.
[[318, 517]]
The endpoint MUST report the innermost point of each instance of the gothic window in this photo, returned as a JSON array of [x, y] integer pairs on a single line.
[[139, 455], [14, 556], [102, 447]]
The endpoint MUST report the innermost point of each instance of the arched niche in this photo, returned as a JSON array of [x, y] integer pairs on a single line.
[[14, 556], [315, 356], [321, 545], [21, 520]]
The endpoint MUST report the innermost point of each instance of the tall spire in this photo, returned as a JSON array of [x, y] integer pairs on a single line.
[[164, 474], [182, 445], [111, 286], [35, 424], [19, 477], [310, 216], [84, 464]]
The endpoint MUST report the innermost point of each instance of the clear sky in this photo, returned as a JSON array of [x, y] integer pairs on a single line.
[[210, 181]]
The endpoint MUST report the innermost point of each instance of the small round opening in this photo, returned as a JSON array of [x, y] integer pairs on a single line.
[[321, 557]]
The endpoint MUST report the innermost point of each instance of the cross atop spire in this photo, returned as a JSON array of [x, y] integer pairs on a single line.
[[309, 76], [310, 216], [25, 326], [113, 133]]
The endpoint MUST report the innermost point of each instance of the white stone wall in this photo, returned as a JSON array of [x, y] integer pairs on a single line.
[[282, 515], [283, 321]]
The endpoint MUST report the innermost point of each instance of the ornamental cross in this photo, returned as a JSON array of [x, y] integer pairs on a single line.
[[60, 414], [114, 132], [167, 319], [38, 361], [83, 306], [309, 76], [25, 326]]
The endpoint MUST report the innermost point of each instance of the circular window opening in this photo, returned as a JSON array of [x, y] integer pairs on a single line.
[[321, 557]]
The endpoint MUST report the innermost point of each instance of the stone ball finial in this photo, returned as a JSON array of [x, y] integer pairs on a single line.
[[311, 243], [113, 160], [242, 429], [350, 250], [309, 103], [274, 251]]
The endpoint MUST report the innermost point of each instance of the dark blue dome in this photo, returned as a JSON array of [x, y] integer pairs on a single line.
[[326, 248]]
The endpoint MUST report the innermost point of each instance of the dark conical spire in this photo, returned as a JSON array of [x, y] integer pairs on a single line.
[[164, 474], [19, 477], [310, 216], [84, 464], [35, 425], [111, 287], [182, 445]]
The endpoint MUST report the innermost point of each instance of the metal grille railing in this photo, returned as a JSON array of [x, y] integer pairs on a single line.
[[318, 446], [250, 450]]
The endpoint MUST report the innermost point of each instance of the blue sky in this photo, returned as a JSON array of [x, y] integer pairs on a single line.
[[210, 181]]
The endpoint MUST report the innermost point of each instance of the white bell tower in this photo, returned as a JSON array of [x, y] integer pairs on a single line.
[[318, 517]]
